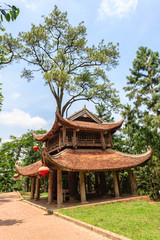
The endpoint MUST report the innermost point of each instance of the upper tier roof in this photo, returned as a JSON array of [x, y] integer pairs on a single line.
[[81, 125]]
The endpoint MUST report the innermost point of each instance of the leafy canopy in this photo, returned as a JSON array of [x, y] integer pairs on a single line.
[[60, 51], [144, 81], [7, 43]]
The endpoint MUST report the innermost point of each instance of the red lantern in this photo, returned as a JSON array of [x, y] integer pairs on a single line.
[[43, 170], [35, 148], [43, 175], [16, 176]]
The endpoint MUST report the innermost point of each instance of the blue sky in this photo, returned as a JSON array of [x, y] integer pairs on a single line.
[[132, 23]]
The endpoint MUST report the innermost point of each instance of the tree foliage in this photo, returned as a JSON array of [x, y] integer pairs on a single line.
[[144, 81], [8, 12], [7, 43], [17, 150], [143, 119], [60, 51]]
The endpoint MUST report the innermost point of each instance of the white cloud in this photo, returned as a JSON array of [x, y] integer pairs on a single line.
[[30, 4], [118, 8], [19, 118], [16, 95]]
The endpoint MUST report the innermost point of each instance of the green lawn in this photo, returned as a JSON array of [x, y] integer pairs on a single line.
[[138, 220], [26, 195]]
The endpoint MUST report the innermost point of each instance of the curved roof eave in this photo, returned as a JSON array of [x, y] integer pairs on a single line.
[[30, 170], [60, 121], [83, 160]]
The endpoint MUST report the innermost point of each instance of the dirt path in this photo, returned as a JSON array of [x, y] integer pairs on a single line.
[[20, 221]]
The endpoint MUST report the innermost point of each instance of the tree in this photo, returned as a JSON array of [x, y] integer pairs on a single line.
[[144, 88], [144, 81], [7, 43], [9, 12], [60, 52], [17, 150]]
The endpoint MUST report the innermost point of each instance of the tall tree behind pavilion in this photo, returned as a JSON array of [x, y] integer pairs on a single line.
[[144, 88], [60, 52]]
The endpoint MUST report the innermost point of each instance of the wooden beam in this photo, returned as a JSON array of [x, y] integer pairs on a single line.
[[32, 188], [60, 140], [115, 183], [132, 182], [64, 135], [82, 187], [50, 187], [59, 188], [37, 188], [103, 140], [74, 141]]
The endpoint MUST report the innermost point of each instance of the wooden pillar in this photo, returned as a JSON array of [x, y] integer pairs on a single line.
[[37, 188], [32, 188], [115, 183], [72, 185], [82, 187], [103, 187], [59, 188], [132, 182], [64, 135], [60, 139], [74, 141], [103, 142], [50, 187]]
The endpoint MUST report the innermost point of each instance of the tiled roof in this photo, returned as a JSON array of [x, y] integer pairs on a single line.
[[60, 121], [30, 170], [97, 160], [88, 160]]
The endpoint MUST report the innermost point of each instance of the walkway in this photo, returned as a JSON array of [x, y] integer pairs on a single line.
[[21, 221]]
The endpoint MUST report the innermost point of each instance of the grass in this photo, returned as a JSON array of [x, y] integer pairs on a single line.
[[138, 220], [26, 195]]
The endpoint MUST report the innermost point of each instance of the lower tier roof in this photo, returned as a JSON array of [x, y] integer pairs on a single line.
[[87, 160], [97, 160], [30, 170]]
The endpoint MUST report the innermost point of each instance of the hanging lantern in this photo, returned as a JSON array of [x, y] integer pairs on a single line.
[[43, 170], [16, 176], [35, 148], [43, 175]]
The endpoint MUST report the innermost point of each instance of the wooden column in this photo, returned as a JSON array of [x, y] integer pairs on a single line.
[[32, 188], [74, 142], [103, 141], [132, 182], [64, 135], [72, 185], [59, 188], [60, 140], [50, 187], [82, 187], [115, 183], [37, 188]]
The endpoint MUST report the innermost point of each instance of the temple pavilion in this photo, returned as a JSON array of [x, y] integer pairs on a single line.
[[80, 146]]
